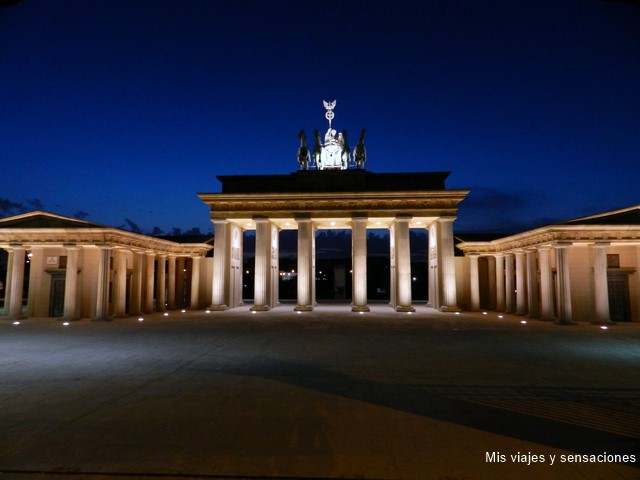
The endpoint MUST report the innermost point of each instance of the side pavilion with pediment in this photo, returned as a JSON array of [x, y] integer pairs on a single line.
[[74, 269], [308, 201]]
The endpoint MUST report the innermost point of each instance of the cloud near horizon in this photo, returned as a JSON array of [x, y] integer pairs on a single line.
[[492, 210]]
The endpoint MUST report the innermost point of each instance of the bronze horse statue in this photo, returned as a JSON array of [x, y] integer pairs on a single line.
[[360, 153], [303, 152], [317, 149], [346, 151]]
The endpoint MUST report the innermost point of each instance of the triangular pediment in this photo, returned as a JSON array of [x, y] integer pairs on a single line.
[[625, 216], [40, 219]]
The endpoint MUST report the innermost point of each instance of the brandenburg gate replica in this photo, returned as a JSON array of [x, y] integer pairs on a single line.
[[332, 190]]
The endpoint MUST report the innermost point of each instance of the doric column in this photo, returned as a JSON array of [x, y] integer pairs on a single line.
[[275, 265], [171, 282], [149, 260], [135, 306], [161, 283], [221, 258], [474, 280], [195, 283], [16, 282], [448, 267], [521, 289], [547, 303], [532, 285], [102, 293], [71, 284], [120, 284], [359, 264], [7, 284], [402, 253], [510, 303], [263, 281], [181, 270], [564, 285], [36, 261], [306, 265], [499, 282], [601, 284]]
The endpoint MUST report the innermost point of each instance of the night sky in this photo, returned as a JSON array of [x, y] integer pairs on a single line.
[[120, 111]]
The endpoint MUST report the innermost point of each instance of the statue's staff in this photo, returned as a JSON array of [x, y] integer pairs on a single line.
[[329, 115]]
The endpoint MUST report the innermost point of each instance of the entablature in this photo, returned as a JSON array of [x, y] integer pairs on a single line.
[[328, 205], [553, 235], [87, 237]]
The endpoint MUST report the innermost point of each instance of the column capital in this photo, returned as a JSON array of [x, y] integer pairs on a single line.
[[600, 244], [562, 244], [446, 219], [303, 219], [403, 218]]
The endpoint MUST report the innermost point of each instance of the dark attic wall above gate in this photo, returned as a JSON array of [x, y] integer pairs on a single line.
[[306, 181]]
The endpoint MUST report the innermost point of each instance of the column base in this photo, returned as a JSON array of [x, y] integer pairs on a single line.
[[565, 322], [602, 322], [360, 308], [452, 308], [303, 308], [547, 319], [102, 319], [405, 308], [218, 308], [260, 308]]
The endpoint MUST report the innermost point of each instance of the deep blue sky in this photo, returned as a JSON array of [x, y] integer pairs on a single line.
[[125, 109]]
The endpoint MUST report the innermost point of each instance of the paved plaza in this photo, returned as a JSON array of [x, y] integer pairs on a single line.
[[324, 394]]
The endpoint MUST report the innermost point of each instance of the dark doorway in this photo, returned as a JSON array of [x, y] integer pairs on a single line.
[[56, 298], [618, 285]]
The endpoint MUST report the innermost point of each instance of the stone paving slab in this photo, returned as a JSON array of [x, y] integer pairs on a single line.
[[324, 394]]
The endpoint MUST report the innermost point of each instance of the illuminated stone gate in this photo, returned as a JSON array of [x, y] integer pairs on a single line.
[[354, 199]]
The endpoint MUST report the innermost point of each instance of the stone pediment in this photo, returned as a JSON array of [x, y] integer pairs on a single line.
[[625, 216], [41, 219]]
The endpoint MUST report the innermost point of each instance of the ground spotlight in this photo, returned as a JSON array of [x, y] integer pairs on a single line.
[[523, 321], [500, 316], [183, 311], [166, 314], [66, 324], [604, 327], [16, 323], [141, 319], [484, 313]]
